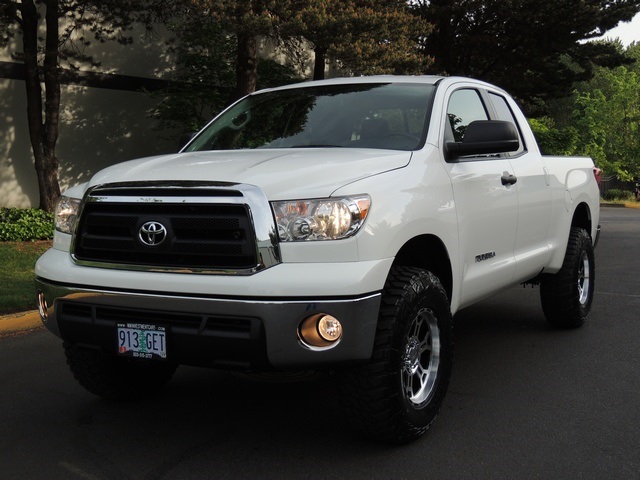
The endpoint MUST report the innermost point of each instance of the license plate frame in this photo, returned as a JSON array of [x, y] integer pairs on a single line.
[[141, 340]]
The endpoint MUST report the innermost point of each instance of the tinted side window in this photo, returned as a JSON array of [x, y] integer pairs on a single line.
[[504, 113], [464, 107]]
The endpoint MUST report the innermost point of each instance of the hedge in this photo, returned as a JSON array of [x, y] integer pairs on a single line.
[[23, 225]]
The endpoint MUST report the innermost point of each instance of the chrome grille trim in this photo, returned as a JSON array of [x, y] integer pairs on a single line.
[[259, 215]]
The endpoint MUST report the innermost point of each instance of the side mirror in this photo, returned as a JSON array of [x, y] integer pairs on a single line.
[[484, 137]]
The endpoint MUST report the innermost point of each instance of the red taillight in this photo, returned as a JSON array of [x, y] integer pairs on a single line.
[[598, 174]]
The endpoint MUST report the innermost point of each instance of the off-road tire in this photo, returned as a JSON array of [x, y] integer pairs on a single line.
[[396, 395], [567, 295], [116, 378]]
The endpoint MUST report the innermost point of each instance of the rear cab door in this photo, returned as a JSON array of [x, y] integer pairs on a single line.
[[531, 249]]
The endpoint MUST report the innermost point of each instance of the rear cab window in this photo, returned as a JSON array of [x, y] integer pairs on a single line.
[[503, 112]]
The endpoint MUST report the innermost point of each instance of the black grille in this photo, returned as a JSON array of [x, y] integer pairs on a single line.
[[205, 324], [210, 236], [199, 339]]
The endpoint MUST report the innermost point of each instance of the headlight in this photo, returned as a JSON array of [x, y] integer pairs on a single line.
[[320, 219], [67, 214]]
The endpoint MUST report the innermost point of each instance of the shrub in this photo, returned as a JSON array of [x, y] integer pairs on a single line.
[[617, 194], [18, 225]]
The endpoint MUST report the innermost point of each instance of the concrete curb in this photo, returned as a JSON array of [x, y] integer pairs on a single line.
[[621, 205], [19, 322]]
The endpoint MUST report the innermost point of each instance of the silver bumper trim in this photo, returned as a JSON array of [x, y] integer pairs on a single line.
[[280, 317]]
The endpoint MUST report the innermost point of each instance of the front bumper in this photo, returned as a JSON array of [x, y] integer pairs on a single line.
[[234, 332]]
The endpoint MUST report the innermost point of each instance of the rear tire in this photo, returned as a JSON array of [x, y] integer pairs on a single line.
[[396, 396], [116, 378], [567, 295]]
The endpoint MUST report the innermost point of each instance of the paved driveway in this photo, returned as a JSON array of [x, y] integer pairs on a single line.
[[525, 401]]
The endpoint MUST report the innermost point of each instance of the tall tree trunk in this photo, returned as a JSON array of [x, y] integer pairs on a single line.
[[43, 132], [247, 65], [318, 64]]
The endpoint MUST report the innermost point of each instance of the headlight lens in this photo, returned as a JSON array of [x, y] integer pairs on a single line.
[[67, 214], [320, 219]]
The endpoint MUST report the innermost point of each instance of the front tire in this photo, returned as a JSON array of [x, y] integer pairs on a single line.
[[567, 295], [116, 378], [396, 396]]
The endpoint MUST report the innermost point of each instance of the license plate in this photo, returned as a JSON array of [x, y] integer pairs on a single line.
[[139, 340]]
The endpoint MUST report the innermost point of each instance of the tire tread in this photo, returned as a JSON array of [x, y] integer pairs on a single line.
[[558, 292], [369, 393]]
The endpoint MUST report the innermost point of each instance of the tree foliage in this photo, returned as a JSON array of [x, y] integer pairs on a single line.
[[607, 115], [205, 77], [552, 138], [534, 50], [245, 20], [601, 119], [202, 81], [217, 61], [365, 36]]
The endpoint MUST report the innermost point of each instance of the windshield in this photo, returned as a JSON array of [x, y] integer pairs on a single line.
[[387, 116]]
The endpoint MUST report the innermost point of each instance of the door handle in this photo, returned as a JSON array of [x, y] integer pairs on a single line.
[[508, 179]]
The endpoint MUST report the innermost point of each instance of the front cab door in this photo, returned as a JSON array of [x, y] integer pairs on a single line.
[[486, 203]]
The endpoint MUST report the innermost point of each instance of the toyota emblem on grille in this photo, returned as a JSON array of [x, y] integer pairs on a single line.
[[152, 233]]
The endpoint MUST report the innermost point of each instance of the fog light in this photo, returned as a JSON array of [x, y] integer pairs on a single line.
[[43, 308], [320, 330], [329, 328]]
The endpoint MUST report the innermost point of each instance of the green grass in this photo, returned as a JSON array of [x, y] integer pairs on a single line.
[[17, 288]]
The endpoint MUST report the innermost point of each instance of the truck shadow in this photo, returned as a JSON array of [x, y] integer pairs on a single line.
[[247, 425]]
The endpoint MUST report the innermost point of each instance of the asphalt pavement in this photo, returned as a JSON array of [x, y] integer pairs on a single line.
[[526, 401]]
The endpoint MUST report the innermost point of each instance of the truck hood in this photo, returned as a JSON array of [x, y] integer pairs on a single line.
[[281, 174]]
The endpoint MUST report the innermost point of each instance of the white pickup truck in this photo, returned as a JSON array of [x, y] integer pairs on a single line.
[[334, 225]]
